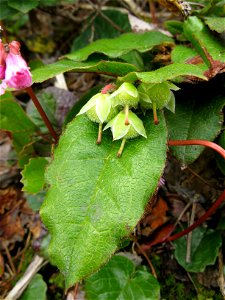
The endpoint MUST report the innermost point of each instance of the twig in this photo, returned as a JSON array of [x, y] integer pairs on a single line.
[[189, 236], [9, 258], [148, 260], [21, 285], [42, 113]]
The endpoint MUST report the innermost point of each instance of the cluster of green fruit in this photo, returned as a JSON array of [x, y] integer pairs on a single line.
[[115, 108]]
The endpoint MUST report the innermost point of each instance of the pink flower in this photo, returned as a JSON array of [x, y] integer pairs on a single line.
[[17, 74], [14, 71], [3, 86], [2, 60]]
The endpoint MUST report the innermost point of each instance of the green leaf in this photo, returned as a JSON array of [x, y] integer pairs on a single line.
[[103, 196], [169, 72], [6, 11], [23, 5], [205, 245], [119, 279], [216, 23], [203, 40], [36, 289], [33, 175], [14, 119], [194, 119], [125, 43], [100, 28], [112, 68]]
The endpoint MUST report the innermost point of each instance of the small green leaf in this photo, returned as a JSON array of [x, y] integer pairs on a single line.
[[14, 119], [113, 68], [169, 72], [194, 119], [23, 5], [119, 279], [33, 175], [125, 43], [36, 289], [205, 245], [103, 196], [216, 23]]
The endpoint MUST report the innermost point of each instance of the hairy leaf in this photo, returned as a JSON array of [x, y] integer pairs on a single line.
[[119, 279], [219, 159], [33, 175], [95, 198], [123, 44], [194, 119], [103, 67], [169, 72], [216, 23], [205, 244]]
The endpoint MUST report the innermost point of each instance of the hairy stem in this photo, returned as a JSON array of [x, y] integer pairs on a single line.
[[99, 140], [126, 115], [119, 153], [156, 121], [42, 113]]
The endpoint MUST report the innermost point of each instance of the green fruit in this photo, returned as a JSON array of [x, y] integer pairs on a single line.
[[126, 94], [120, 130]]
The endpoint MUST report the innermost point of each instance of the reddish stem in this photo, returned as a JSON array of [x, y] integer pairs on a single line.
[[210, 211], [205, 143], [42, 113]]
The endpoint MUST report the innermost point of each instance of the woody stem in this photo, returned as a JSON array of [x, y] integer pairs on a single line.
[[42, 113]]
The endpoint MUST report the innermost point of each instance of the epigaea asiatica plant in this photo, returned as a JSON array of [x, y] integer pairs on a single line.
[[115, 108]]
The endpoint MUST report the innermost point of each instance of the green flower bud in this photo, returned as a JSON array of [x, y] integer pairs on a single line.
[[120, 130], [126, 94], [99, 108]]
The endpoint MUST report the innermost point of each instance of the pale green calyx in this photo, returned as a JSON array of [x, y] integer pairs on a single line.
[[120, 130], [158, 95], [126, 94], [98, 108]]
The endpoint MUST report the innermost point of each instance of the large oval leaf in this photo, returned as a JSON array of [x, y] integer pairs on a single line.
[[123, 44], [95, 198]]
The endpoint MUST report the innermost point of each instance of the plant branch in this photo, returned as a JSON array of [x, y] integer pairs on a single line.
[[48, 124], [210, 211], [205, 143]]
